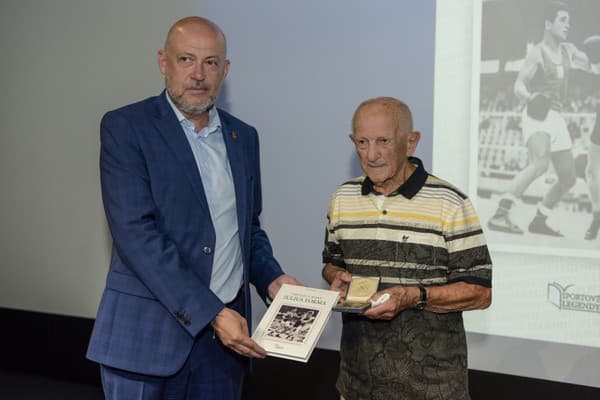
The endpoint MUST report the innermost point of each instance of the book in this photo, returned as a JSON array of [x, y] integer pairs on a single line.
[[358, 296], [294, 321]]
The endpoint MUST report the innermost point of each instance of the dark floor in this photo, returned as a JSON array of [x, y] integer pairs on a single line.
[[32, 387], [271, 378], [15, 386]]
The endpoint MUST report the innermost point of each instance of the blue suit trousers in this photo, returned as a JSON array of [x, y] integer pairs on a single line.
[[212, 371]]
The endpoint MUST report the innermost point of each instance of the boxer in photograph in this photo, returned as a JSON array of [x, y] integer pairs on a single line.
[[542, 85]]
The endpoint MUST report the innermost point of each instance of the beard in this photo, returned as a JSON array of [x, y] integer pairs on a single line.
[[192, 110]]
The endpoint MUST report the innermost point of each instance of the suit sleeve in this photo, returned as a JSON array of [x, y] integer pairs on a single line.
[[145, 250], [264, 268]]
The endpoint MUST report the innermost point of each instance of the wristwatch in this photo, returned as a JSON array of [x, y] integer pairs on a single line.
[[422, 299]]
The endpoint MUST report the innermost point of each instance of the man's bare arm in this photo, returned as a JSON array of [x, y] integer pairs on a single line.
[[580, 60], [460, 296], [528, 70]]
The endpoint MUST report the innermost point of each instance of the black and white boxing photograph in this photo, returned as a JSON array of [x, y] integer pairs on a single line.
[[292, 323], [538, 140]]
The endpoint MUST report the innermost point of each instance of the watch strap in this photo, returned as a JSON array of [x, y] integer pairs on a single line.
[[422, 298]]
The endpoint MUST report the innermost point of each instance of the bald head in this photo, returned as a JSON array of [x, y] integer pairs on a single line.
[[195, 26], [396, 110]]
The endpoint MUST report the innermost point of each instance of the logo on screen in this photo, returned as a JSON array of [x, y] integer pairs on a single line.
[[564, 300]]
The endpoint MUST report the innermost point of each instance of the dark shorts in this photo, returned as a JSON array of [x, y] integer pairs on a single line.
[[417, 355]]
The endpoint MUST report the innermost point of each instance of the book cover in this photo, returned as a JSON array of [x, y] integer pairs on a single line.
[[294, 321]]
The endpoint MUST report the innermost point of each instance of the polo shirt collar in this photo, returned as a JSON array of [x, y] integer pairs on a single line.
[[409, 188]]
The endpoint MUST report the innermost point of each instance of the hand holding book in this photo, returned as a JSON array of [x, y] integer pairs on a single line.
[[232, 330]]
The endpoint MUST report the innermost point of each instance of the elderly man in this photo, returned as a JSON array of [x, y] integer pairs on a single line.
[[422, 237], [182, 195]]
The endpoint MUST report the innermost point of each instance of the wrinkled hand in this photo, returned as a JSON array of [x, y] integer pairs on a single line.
[[232, 330], [401, 298], [341, 281], [277, 283]]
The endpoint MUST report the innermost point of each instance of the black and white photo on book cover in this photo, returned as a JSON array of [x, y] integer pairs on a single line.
[[536, 136], [294, 321]]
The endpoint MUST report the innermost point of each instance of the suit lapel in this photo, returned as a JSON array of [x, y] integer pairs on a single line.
[[172, 133], [235, 154]]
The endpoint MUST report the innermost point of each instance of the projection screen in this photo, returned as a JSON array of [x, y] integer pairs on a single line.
[[545, 317]]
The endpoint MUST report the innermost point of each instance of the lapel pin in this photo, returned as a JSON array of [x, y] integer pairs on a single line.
[[234, 135]]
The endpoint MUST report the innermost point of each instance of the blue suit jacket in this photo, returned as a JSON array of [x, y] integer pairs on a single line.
[[157, 297]]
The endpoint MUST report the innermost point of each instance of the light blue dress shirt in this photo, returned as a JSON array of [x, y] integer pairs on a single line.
[[210, 153]]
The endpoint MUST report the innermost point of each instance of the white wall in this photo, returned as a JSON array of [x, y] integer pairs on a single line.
[[298, 71]]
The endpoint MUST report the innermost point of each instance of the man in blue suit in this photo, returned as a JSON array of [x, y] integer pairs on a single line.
[[182, 194]]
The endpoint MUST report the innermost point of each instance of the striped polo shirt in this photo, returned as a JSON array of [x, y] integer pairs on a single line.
[[424, 233]]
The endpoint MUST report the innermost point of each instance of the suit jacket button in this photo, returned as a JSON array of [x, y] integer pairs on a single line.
[[207, 250]]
